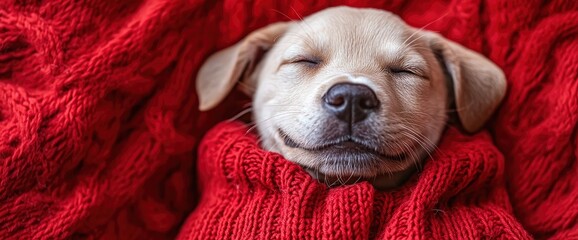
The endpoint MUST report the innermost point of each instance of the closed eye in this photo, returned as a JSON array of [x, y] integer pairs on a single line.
[[401, 70], [307, 61], [407, 71]]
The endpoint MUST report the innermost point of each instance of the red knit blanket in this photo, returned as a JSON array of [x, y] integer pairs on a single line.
[[99, 124], [249, 193]]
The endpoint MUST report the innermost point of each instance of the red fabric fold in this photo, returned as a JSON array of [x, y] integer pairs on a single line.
[[249, 193]]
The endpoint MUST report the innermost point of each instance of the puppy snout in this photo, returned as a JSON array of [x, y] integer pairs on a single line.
[[350, 102]]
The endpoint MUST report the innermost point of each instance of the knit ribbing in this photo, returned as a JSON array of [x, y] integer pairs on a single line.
[[459, 194], [99, 121]]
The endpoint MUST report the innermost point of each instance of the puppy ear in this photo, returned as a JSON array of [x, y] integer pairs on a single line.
[[479, 85], [224, 69]]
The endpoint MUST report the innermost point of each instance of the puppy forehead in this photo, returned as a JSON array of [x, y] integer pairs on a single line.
[[341, 16], [365, 31]]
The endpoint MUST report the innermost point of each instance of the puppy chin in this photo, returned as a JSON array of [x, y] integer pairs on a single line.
[[385, 176], [333, 176], [383, 182]]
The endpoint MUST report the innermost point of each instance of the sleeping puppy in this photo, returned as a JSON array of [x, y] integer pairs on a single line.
[[354, 94]]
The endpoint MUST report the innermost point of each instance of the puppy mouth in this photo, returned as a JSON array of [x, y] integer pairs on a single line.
[[344, 146]]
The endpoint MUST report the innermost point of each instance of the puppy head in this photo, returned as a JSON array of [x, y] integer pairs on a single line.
[[354, 93]]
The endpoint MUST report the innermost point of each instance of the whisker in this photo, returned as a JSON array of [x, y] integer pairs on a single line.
[[299, 23], [303, 22], [244, 85], [422, 28], [421, 140], [413, 154], [282, 114], [240, 114]]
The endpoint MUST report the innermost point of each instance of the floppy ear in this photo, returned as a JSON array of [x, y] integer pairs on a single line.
[[224, 69], [479, 85]]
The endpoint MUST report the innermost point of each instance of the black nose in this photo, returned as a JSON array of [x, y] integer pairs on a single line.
[[350, 102]]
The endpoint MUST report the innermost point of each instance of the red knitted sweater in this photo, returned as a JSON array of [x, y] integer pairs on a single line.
[[249, 193], [99, 124]]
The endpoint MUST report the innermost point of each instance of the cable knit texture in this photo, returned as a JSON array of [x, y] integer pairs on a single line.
[[99, 127], [248, 193]]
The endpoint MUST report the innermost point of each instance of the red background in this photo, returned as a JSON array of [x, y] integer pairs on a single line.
[[99, 120]]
